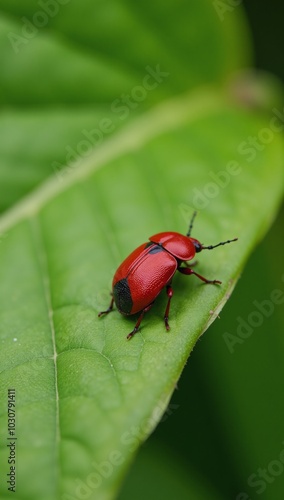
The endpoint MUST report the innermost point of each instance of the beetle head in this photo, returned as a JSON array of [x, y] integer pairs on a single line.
[[197, 245]]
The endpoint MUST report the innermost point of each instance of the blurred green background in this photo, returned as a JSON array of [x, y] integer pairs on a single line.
[[234, 401]]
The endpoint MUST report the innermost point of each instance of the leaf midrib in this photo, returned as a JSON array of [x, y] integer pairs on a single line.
[[38, 239]]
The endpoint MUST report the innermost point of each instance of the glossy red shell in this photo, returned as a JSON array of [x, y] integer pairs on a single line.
[[141, 277], [180, 246]]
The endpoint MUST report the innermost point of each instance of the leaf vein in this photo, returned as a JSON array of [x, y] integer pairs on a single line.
[[37, 234]]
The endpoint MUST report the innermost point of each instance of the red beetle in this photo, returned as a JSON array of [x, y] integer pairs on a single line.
[[146, 271]]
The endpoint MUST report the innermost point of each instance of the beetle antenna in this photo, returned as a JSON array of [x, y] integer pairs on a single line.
[[191, 223], [210, 247]]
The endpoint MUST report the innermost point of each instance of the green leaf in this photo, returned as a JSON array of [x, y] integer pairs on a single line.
[[86, 398], [94, 395]]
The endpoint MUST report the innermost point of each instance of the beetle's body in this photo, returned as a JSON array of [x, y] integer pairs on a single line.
[[150, 268], [137, 282]]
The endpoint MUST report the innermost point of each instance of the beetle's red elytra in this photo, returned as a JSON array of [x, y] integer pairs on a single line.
[[150, 268]]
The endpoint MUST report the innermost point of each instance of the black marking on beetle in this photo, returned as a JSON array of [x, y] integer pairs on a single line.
[[122, 296], [156, 249]]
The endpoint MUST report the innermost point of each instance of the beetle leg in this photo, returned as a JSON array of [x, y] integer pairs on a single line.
[[186, 270], [110, 308], [136, 327], [170, 293]]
